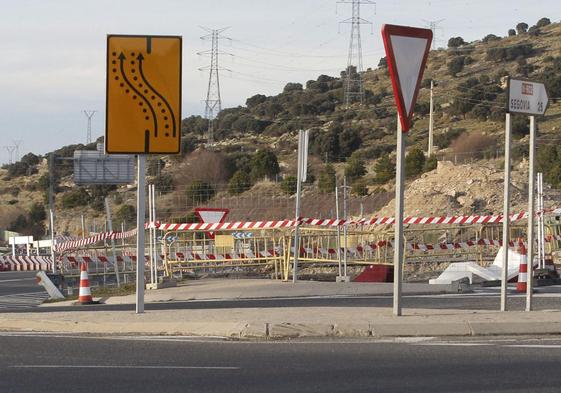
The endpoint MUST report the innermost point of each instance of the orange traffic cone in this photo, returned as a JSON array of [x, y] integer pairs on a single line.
[[522, 284], [85, 295]]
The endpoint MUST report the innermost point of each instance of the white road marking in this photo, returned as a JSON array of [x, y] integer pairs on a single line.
[[451, 344], [22, 300], [18, 279], [540, 346], [127, 367]]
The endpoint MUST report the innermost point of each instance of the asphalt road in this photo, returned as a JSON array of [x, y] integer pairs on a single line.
[[19, 291], [128, 364], [548, 298]]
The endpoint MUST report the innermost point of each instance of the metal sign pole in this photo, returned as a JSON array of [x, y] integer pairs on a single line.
[[345, 228], [531, 213], [52, 223], [154, 240], [398, 241], [140, 213], [297, 213], [506, 214], [150, 237]]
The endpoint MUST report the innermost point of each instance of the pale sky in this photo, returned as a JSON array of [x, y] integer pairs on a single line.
[[53, 52]]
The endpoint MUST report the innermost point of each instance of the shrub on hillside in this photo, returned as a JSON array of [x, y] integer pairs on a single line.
[[385, 170], [326, 180], [355, 168], [548, 159], [289, 185], [543, 22], [430, 164], [264, 163], [76, 198], [359, 188], [239, 183], [520, 126], [510, 53], [445, 139], [511, 32], [414, 162], [456, 65], [490, 37], [126, 214], [455, 42], [521, 28]]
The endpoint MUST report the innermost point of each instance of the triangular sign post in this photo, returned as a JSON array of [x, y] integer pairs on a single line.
[[407, 50], [211, 215]]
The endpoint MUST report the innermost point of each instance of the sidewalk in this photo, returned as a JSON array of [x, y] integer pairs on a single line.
[[284, 322]]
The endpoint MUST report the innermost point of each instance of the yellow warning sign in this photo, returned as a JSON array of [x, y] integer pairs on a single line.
[[143, 104]]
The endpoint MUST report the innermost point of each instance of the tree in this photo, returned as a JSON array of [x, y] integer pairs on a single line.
[[521, 28], [264, 163], [255, 100], [325, 144], [326, 181], [349, 141], [511, 32], [383, 63], [385, 170], [76, 198], [20, 224], [290, 87], [456, 42], [414, 162], [239, 183], [355, 168], [543, 22], [534, 31], [289, 185], [489, 38]]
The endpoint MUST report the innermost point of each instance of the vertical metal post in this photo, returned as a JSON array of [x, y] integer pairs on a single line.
[[297, 210], [506, 214], [531, 213], [113, 250], [154, 240], [431, 120], [52, 224], [398, 241], [345, 227], [338, 243], [150, 238], [140, 217]]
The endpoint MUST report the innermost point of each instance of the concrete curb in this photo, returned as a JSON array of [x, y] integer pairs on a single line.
[[286, 330]]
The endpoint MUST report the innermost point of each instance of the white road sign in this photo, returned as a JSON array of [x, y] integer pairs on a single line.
[[526, 97]]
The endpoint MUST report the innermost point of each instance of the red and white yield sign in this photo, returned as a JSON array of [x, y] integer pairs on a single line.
[[407, 49], [211, 215]]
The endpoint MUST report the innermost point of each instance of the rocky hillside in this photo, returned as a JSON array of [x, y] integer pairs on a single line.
[[251, 166]]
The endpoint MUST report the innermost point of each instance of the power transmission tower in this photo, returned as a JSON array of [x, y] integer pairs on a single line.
[[353, 84], [89, 114], [213, 102], [10, 150], [433, 25], [17, 144]]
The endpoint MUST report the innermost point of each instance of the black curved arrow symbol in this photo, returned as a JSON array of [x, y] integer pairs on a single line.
[[140, 58], [122, 58]]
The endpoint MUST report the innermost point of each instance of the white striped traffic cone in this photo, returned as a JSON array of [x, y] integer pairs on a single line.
[[85, 295], [522, 284]]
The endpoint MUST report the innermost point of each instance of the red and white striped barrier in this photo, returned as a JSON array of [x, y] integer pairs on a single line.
[[252, 225], [25, 263]]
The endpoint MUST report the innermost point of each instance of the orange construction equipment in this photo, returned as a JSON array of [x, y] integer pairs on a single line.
[[522, 284], [85, 295]]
